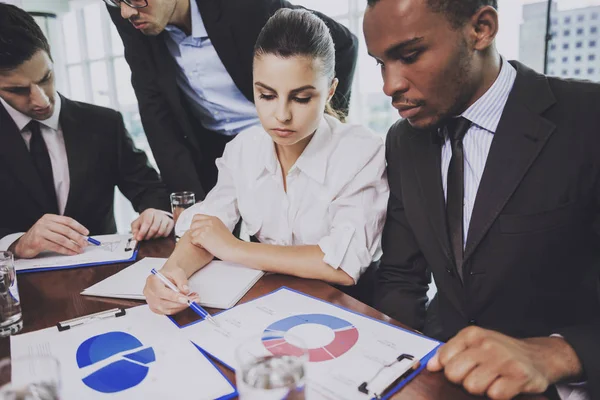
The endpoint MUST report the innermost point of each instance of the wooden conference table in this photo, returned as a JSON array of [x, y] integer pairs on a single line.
[[53, 296]]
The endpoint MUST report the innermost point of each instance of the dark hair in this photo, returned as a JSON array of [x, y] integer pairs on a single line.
[[458, 12], [298, 32], [20, 37]]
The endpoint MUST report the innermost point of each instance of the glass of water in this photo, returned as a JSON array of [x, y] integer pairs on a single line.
[[179, 202], [30, 378], [11, 321], [271, 366]]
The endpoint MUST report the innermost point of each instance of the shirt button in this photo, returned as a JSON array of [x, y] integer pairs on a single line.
[[472, 322]]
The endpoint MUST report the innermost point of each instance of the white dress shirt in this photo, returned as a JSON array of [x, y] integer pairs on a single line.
[[485, 116], [55, 142], [336, 197]]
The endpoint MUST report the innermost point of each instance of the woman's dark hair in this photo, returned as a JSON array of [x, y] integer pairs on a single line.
[[298, 32], [20, 37]]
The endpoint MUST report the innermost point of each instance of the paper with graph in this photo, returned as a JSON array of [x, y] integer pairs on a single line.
[[114, 248], [140, 355]]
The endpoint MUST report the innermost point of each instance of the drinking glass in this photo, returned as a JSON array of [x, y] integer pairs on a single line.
[[10, 306], [30, 378], [179, 202], [271, 366]]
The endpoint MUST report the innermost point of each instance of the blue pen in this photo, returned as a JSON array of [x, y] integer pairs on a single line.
[[92, 241], [193, 305]]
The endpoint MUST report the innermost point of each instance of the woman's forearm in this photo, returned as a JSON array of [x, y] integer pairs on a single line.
[[187, 256], [302, 261]]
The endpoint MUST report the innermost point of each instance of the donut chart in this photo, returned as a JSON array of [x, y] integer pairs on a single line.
[[345, 336]]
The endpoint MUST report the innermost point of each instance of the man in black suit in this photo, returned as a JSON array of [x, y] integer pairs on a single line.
[[494, 177], [191, 64], [60, 160]]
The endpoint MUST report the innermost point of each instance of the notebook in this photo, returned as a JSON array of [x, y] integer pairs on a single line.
[[220, 284]]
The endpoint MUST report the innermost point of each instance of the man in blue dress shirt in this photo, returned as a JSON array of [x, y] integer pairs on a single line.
[[191, 63]]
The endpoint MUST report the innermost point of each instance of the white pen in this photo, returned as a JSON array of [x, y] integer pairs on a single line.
[[193, 305]]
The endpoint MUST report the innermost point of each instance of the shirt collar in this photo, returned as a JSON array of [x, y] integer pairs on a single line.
[[21, 120], [487, 110], [198, 28], [312, 161]]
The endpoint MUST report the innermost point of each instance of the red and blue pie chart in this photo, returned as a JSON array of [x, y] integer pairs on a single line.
[[334, 336]]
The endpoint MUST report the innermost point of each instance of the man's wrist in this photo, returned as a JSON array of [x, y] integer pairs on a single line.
[[558, 358]]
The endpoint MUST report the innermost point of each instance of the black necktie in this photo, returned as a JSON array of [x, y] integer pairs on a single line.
[[41, 161], [457, 127]]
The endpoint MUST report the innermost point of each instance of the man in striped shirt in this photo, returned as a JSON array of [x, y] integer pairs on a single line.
[[494, 177]]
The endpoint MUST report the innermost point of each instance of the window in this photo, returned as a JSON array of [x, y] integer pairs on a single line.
[[97, 73], [591, 57], [565, 72], [590, 71], [553, 47], [577, 58], [565, 59], [577, 71], [580, 18], [593, 29], [566, 46], [579, 31], [594, 16], [578, 45], [592, 43], [566, 32], [567, 20]]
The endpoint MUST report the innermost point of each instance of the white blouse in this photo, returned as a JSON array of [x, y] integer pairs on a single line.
[[336, 197]]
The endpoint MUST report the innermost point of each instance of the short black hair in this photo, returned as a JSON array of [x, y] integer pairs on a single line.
[[20, 37], [458, 12]]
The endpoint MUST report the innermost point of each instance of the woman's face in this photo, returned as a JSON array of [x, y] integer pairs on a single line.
[[290, 96]]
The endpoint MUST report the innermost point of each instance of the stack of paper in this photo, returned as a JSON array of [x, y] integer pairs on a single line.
[[219, 284]]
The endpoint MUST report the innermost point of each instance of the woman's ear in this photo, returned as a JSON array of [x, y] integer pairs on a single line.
[[332, 88]]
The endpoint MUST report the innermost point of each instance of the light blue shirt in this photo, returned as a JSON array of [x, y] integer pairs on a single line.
[[214, 97], [484, 115]]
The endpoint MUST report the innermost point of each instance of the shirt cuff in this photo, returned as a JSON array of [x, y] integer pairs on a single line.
[[572, 391], [8, 240], [335, 247]]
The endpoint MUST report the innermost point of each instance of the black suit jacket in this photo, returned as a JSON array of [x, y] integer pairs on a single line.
[[100, 155], [184, 150], [532, 257]]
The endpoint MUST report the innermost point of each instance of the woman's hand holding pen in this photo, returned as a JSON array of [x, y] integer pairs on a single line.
[[163, 300], [211, 234]]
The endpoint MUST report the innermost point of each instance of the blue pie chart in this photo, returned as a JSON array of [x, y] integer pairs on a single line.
[[124, 372]]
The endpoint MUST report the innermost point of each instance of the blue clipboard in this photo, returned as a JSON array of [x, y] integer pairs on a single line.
[[392, 390], [94, 264]]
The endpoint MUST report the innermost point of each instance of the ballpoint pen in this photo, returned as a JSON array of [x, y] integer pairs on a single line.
[[92, 240], [193, 305]]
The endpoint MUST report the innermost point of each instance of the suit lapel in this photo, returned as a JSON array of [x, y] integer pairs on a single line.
[[16, 155], [77, 142], [521, 135], [426, 155], [221, 35]]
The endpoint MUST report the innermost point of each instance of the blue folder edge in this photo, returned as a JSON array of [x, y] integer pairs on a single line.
[[133, 257], [390, 392], [227, 396]]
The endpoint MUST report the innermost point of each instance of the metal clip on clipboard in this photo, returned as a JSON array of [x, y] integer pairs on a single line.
[[71, 323], [131, 243], [388, 375]]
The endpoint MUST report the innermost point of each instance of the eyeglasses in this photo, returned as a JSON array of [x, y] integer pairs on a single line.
[[130, 3]]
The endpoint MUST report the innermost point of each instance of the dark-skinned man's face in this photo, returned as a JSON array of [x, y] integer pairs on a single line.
[[427, 64]]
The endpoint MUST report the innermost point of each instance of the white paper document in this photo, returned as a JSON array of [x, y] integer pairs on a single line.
[[114, 248], [219, 284], [140, 355], [346, 349]]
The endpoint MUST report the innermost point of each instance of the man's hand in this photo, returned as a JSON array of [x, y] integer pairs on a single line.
[[211, 234], [151, 224], [56, 233], [488, 363]]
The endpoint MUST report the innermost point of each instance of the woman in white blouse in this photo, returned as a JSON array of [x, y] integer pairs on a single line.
[[310, 188]]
